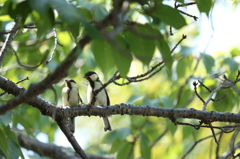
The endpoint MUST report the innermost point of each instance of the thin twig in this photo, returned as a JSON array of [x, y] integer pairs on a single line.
[[185, 4], [29, 67], [209, 90], [197, 142], [192, 16], [195, 89], [183, 37], [55, 46], [214, 136], [218, 146], [224, 85], [159, 138]]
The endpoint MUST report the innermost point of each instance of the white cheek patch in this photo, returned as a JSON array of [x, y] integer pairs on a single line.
[[94, 77]]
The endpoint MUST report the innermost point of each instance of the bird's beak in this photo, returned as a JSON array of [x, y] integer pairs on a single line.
[[67, 82], [86, 77]]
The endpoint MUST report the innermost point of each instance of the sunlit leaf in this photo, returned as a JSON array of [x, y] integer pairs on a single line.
[[204, 6], [233, 65], [183, 67], [208, 62]]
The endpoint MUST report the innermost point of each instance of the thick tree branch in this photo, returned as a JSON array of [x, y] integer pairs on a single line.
[[59, 112], [50, 150]]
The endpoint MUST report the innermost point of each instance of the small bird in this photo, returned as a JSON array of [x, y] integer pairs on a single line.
[[71, 97], [102, 98]]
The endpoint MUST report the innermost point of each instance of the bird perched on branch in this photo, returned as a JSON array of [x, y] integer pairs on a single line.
[[101, 98], [71, 97]]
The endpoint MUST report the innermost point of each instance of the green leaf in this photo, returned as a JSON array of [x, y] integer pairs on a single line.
[[120, 134], [135, 99], [102, 52], [85, 13], [233, 65], [126, 151], [42, 10], [9, 143], [122, 56], [40, 6], [143, 48], [165, 52], [4, 145], [183, 67], [167, 102], [227, 103], [99, 12], [204, 6], [19, 10], [6, 118], [208, 62], [169, 16], [69, 14], [137, 121], [235, 52], [172, 127], [14, 149], [144, 146], [66, 11]]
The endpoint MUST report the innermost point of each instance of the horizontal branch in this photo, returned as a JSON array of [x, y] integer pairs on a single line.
[[171, 113], [58, 113]]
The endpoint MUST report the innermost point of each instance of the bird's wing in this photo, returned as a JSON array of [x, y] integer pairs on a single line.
[[108, 100], [80, 99]]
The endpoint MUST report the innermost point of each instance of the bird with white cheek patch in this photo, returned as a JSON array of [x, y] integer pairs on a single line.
[[71, 97], [102, 98]]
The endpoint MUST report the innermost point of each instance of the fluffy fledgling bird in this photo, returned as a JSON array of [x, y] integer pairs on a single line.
[[71, 97], [102, 98]]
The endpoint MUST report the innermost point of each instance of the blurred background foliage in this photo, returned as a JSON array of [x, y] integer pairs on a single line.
[[132, 136]]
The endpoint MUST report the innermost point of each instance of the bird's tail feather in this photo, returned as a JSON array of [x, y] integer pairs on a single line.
[[106, 124]]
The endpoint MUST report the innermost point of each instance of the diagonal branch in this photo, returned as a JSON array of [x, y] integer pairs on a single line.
[[8, 42], [64, 127], [50, 150]]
